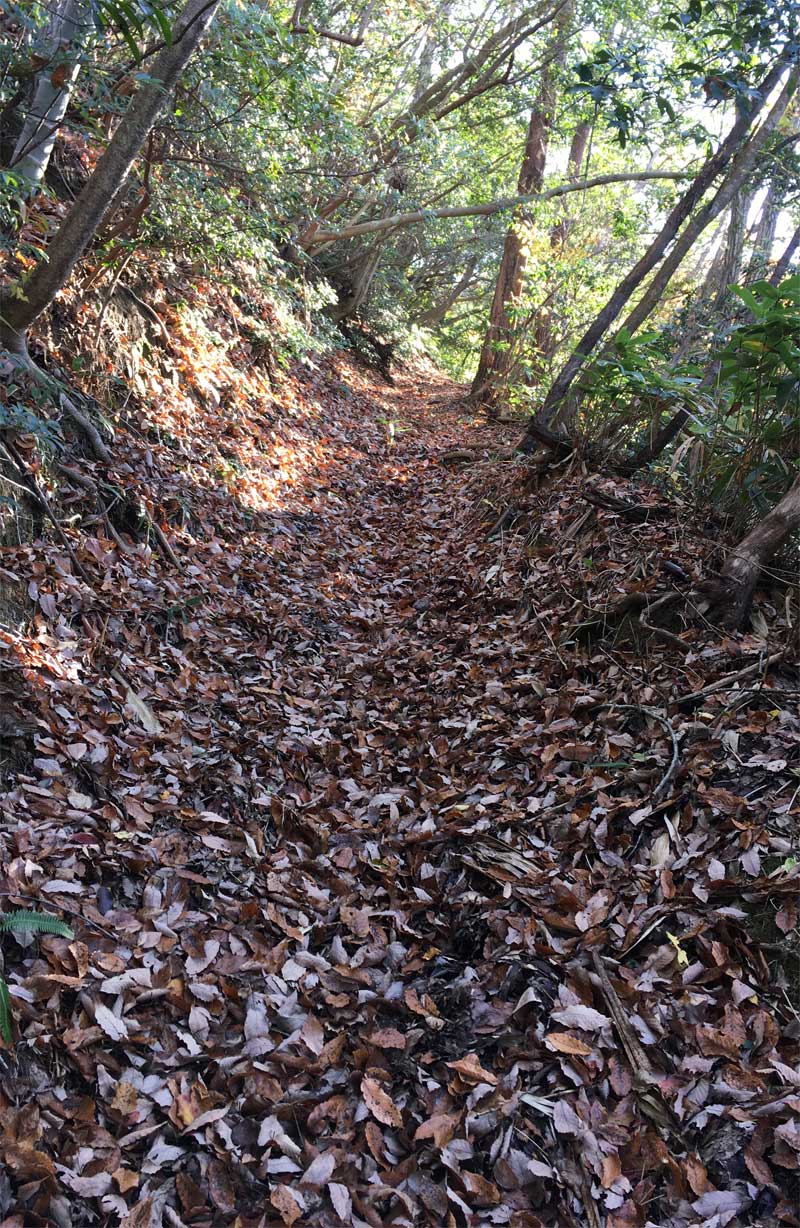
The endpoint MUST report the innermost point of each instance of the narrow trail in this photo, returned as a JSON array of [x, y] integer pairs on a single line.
[[378, 920]]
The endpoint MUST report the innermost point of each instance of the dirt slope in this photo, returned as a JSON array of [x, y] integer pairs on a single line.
[[388, 909]]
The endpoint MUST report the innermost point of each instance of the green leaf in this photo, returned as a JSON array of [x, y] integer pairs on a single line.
[[24, 921], [5, 1013]]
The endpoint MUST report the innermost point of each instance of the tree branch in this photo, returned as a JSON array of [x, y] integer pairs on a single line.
[[322, 237]]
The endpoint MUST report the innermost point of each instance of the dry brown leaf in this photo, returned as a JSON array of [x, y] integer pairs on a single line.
[[564, 1042], [380, 1103], [470, 1068]]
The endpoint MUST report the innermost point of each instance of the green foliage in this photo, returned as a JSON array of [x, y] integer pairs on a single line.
[[633, 383], [6, 1026], [24, 921], [752, 441], [17, 417], [743, 425]]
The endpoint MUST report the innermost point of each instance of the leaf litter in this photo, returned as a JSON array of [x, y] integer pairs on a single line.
[[412, 879]]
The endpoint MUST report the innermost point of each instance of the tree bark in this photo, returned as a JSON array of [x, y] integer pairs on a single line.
[[538, 427], [321, 238], [732, 593], [738, 172], [496, 358], [731, 263], [786, 257], [435, 314], [765, 233], [64, 39], [360, 282], [26, 302], [543, 334]]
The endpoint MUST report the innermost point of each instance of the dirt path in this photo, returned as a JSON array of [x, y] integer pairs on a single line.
[[340, 826]]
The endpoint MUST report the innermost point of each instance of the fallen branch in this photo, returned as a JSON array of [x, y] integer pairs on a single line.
[[457, 455], [639, 1062], [162, 540], [645, 1079], [639, 513], [730, 680]]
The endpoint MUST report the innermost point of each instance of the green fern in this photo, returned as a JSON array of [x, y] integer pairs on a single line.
[[5, 1013], [34, 923]]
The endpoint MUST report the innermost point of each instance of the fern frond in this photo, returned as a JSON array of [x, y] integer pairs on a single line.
[[34, 923], [5, 1013]]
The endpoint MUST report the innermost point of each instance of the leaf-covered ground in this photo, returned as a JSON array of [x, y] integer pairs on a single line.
[[412, 881]]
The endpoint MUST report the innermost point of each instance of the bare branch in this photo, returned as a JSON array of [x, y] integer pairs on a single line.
[[323, 237]]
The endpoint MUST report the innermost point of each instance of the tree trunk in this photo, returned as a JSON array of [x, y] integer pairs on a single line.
[[732, 592], [739, 170], [713, 278], [734, 246], [496, 357], [25, 303], [538, 428], [786, 257], [67, 30], [435, 314], [765, 233], [360, 281], [543, 334]]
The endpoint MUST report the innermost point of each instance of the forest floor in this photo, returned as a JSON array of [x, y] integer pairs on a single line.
[[408, 886]]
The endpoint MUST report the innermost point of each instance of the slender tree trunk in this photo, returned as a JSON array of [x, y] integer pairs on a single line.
[[496, 357], [538, 428], [65, 36], [741, 167], [25, 303], [360, 279], [734, 246], [786, 257], [543, 333], [765, 234], [713, 278], [434, 315], [440, 13], [577, 152], [732, 592]]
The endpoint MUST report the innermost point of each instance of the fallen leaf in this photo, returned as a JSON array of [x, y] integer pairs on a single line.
[[380, 1103]]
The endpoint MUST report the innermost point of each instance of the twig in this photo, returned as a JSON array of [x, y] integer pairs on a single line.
[[123, 545], [661, 788], [504, 521], [107, 301], [589, 1205]]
